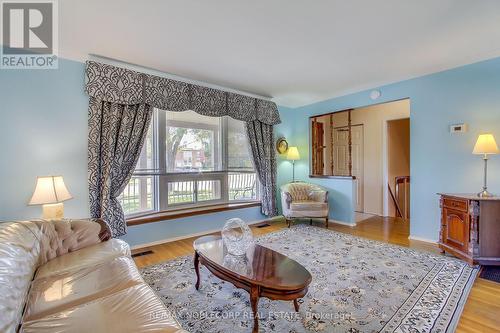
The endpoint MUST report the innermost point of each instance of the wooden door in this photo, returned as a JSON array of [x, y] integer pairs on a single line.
[[456, 229], [341, 151], [318, 144], [341, 158]]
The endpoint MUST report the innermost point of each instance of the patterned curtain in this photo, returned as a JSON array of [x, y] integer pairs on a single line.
[[124, 86], [116, 136], [260, 137]]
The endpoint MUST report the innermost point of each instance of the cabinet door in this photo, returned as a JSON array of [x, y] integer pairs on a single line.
[[456, 229]]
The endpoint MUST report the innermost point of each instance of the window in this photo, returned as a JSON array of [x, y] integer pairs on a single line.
[[241, 183], [188, 160], [192, 142], [137, 197]]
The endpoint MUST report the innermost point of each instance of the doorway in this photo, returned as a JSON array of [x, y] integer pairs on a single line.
[[397, 170]]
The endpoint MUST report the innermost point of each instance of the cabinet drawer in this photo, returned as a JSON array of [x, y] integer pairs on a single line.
[[457, 204]]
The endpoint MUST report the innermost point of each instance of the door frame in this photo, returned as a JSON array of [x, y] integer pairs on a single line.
[[385, 166]]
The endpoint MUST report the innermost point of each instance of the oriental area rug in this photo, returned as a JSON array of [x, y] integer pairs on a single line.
[[358, 285]]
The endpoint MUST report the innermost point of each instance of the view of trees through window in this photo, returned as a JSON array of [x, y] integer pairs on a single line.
[[192, 142], [191, 159]]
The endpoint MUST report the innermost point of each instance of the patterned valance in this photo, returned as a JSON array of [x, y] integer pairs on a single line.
[[119, 85]]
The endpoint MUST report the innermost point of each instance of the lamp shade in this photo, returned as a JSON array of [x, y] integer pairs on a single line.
[[485, 144], [293, 154], [49, 190]]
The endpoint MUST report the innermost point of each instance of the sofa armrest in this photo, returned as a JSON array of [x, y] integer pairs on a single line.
[[63, 236], [105, 233]]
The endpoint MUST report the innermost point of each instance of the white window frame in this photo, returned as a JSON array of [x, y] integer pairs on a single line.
[[161, 178]]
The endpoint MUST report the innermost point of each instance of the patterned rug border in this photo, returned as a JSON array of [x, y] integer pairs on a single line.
[[404, 312]]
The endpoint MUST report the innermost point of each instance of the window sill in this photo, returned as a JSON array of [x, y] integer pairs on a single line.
[[332, 177], [186, 212]]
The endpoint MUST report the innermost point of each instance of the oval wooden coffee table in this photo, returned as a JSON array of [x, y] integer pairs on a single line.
[[262, 272]]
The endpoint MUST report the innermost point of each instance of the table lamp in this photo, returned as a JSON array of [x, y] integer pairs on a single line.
[[485, 145], [50, 192], [293, 155]]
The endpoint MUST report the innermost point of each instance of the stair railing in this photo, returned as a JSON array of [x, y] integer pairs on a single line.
[[395, 202], [403, 181]]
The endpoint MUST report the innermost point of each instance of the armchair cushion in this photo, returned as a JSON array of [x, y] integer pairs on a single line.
[[309, 205]]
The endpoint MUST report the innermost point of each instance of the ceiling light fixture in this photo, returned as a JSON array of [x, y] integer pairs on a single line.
[[375, 94]]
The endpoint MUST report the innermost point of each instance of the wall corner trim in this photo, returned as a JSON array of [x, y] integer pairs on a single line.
[[421, 239]]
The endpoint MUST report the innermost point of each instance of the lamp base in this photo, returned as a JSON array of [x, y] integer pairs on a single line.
[[53, 211], [485, 194]]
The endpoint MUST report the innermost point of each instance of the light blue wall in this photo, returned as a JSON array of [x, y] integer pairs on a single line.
[[43, 131], [294, 127], [440, 161]]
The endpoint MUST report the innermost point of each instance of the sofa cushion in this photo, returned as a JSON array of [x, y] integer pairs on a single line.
[[19, 253], [135, 309], [55, 293], [86, 257]]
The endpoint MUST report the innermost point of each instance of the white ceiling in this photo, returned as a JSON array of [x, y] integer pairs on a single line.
[[295, 51]]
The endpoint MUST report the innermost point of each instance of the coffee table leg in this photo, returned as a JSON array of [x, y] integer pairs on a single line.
[[197, 269], [296, 305], [254, 300]]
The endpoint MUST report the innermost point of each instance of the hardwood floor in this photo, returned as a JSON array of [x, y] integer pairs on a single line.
[[481, 312]]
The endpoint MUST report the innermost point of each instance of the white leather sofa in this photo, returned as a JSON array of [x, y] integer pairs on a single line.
[[304, 200], [65, 276]]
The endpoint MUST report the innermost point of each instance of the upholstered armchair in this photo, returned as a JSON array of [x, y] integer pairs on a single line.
[[304, 200]]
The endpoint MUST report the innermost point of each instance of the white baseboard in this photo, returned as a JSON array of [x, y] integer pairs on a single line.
[[421, 239], [343, 223], [198, 234]]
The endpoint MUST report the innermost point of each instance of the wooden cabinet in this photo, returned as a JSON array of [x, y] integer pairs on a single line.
[[470, 228]]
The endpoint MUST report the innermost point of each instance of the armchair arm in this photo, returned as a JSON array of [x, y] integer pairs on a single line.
[[287, 199]]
